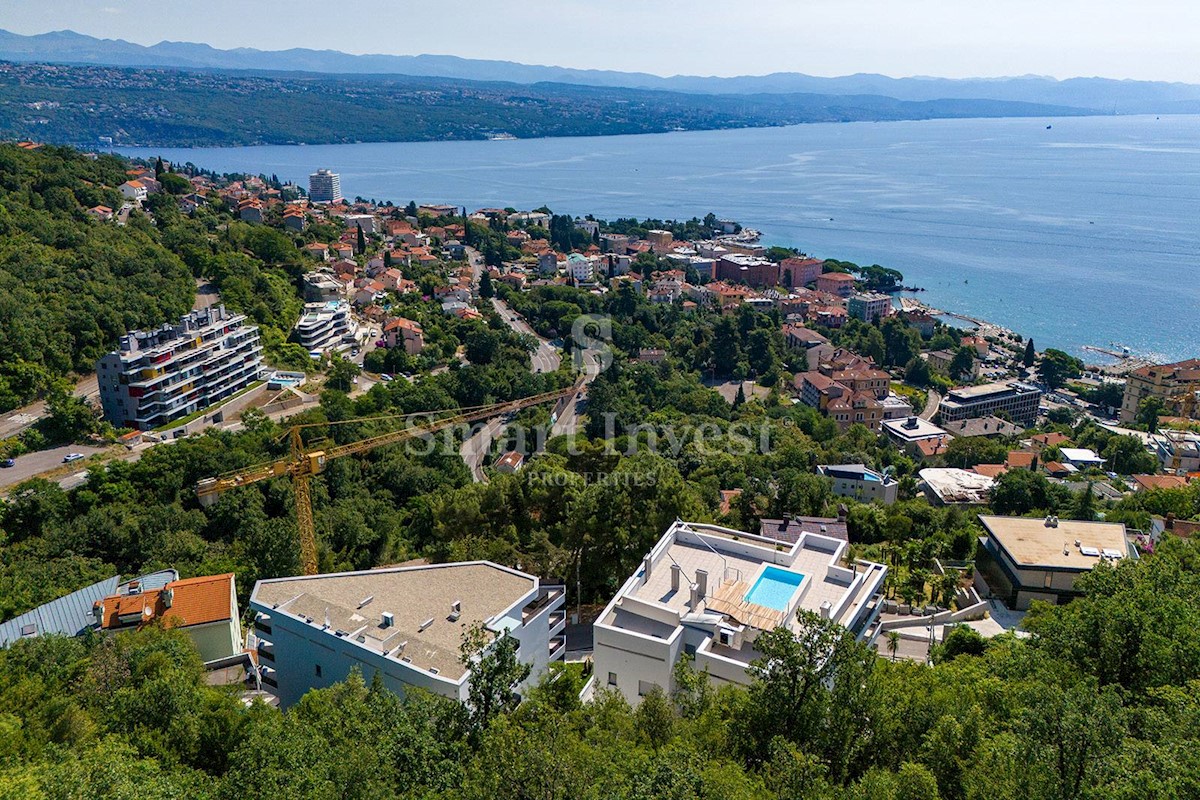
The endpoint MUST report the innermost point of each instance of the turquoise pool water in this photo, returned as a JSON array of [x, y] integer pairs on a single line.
[[774, 588]]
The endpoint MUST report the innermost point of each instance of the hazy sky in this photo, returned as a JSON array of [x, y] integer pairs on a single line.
[[1149, 39]]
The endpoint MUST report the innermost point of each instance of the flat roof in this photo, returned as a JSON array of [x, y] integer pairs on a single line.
[[976, 392], [921, 429], [1031, 542], [412, 595], [957, 485]]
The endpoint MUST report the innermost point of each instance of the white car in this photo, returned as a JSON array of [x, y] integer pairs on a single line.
[[69, 457]]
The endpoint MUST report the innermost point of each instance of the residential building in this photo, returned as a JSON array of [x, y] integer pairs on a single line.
[[589, 226], [250, 210], [295, 220], [750, 270], [839, 400], [869, 306], [1166, 382], [204, 608], [1080, 458], [325, 187], [988, 426], [896, 407], [510, 462], [321, 286], [1019, 401], [438, 210], [1024, 559], [168, 373], [1178, 451], [403, 625], [946, 486], [617, 243], [1144, 483], [710, 592], [924, 323], [367, 223], [659, 240], [860, 482], [135, 191], [581, 267], [323, 325], [789, 529], [911, 429], [537, 218], [404, 333], [839, 283], [796, 271], [101, 213], [73, 614]]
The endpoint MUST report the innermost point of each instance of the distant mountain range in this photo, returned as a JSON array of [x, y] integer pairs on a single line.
[[1099, 95]]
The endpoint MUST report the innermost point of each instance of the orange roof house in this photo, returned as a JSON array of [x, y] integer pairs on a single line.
[[205, 608]]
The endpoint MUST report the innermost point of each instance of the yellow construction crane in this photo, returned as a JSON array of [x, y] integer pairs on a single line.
[[302, 464]]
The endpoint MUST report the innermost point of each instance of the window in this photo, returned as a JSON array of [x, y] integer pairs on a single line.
[[645, 687], [1046, 584], [318, 669], [612, 679]]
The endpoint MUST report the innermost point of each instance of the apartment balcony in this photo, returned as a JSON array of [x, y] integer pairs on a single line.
[[549, 598], [558, 648], [270, 677], [558, 622], [266, 650]]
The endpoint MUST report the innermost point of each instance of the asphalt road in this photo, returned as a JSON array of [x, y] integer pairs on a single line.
[[33, 464], [475, 449], [17, 420], [546, 358]]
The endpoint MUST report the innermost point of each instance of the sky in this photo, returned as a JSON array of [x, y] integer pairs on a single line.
[[1142, 39]]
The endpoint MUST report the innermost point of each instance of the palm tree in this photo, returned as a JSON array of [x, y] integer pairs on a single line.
[[893, 643]]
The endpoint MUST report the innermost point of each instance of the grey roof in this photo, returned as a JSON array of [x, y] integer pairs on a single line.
[[70, 615]]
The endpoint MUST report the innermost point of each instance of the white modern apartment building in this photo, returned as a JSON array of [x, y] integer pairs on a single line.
[[323, 325], [162, 375], [404, 624], [869, 306], [709, 592], [324, 186]]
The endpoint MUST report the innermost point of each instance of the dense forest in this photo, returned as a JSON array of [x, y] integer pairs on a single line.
[[175, 108]]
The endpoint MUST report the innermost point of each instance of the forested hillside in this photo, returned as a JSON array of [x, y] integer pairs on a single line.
[[69, 286]]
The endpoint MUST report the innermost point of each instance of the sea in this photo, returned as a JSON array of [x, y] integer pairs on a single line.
[[1075, 231]]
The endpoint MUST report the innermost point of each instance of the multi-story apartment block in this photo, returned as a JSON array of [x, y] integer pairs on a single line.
[[869, 306], [160, 376], [324, 187], [709, 592], [404, 624], [323, 325], [1167, 382], [1018, 400], [750, 270], [797, 272], [839, 283]]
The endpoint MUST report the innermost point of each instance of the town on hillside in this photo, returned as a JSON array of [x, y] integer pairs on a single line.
[[915, 489]]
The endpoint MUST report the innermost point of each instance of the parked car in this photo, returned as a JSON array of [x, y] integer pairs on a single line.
[[69, 457], [385, 377], [8, 462]]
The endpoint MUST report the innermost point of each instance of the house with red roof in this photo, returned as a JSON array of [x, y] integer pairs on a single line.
[[204, 608]]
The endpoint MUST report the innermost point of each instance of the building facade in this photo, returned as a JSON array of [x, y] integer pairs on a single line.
[[404, 625], [709, 592], [1166, 381], [325, 187], [323, 325], [163, 375], [1025, 559], [1018, 400], [860, 482], [869, 306]]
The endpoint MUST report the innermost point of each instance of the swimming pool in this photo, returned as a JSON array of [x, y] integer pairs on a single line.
[[774, 588]]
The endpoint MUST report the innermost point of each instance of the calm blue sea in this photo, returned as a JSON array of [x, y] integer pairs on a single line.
[[1087, 232]]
